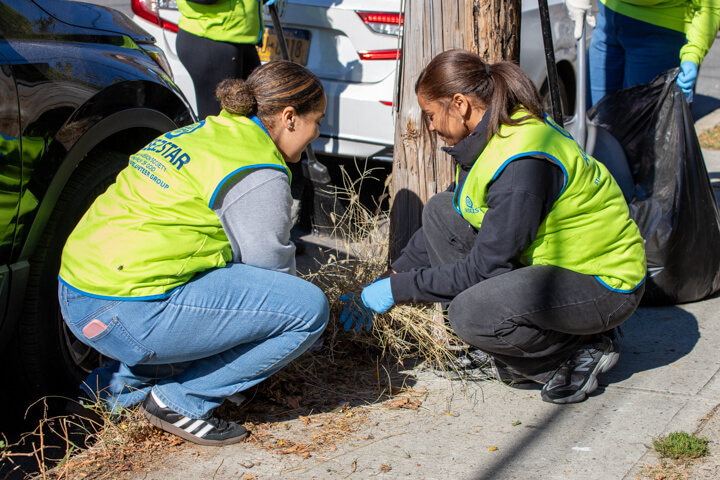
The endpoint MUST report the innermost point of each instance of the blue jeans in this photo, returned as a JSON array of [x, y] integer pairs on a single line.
[[625, 52], [223, 332]]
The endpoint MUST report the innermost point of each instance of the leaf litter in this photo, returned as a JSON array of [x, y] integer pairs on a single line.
[[326, 395]]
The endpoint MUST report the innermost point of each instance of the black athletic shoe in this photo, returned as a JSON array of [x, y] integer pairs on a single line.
[[478, 365], [577, 378], [85, 408], [210, 431], [465, 366]]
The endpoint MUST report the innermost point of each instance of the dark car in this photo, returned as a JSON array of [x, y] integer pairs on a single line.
[[81, 88]]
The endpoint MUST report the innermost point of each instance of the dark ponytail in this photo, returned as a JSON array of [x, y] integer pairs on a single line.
[[502, 85]]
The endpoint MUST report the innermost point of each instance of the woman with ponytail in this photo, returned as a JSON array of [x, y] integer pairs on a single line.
[[183, 272], [532, 248]]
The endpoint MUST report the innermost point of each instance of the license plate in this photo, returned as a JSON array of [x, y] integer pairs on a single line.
[[297, 40]]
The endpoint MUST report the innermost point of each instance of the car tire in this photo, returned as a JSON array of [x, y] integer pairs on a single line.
[[53, 360]]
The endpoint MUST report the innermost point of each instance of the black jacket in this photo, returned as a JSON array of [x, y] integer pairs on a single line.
[[518, 200]]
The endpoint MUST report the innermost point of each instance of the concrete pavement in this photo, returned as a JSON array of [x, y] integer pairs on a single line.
[[667, 380]]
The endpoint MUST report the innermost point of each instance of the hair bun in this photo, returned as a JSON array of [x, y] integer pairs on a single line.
[[237, 97]]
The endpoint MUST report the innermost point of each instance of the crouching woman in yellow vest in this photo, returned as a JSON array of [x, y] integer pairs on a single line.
[[532, 247], [183, 271]]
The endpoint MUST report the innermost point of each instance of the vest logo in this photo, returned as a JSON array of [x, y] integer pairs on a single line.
[[169, 151], [585, 157], [184, 130], [469, 206]]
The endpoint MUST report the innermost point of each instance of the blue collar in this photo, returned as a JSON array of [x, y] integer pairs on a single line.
[[257, 121]]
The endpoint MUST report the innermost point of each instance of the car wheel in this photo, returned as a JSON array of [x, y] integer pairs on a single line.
[[53, 360]]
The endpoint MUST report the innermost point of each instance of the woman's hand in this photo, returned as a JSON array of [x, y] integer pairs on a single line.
[[687, 77], [359, 313]]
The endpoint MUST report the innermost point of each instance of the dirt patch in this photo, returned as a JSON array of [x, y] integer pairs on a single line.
[[710, 138]]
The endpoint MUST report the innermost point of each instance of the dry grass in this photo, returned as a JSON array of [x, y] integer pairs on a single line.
[[667, 470], [64, 447], [678, 451], [319, 399], [710, 138], [406, 331]]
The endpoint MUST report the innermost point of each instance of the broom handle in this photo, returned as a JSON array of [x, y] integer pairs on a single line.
[[315, 168], [278, 31]]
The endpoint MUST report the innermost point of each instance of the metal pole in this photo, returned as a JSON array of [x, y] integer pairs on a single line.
[[553, 81], [326, 207], [279, 31], [318, 171]]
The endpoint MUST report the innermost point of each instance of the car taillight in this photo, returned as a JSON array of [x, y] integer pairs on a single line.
[[148, 10], [383, 22], [393, 54]]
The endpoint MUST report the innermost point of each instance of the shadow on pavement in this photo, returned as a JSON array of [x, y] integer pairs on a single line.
[[703, 105], [652, 338]]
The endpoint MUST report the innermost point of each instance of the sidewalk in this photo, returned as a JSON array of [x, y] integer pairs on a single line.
[[667, 380]]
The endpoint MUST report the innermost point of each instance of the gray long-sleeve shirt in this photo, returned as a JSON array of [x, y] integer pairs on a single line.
[[255, 214]]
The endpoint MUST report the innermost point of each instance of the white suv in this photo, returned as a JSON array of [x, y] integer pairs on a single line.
[[352, 46]]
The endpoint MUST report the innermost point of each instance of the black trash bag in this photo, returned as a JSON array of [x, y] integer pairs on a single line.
[[673, 202]]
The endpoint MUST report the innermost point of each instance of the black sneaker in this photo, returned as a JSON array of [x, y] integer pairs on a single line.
[[211, 431], [577, 378], [85, 408], [478, 365], [463, 367], [506, 375]]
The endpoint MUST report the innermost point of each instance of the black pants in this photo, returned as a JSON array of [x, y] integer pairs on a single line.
[[209, 62], [531, 319]]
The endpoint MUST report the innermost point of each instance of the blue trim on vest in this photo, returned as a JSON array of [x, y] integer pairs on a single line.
[[235, 172], [507, 162], [617, 289], [183, 130], [455, 204], [259, 123], [530, 154], [561, 131], [455, 193], [124, 299]]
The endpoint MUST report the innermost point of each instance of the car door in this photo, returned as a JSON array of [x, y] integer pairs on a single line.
[[10, 181]]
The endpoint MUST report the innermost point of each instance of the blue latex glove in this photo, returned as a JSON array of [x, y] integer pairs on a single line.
[[359, 313], [378, 296], [686, 78], [355, 316]]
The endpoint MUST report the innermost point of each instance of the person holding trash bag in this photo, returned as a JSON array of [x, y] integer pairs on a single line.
[[634, 41], [532, 246], [182, 270], [216, 40]]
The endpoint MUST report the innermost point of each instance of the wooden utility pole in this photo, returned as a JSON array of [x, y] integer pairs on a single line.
[[490, 28]]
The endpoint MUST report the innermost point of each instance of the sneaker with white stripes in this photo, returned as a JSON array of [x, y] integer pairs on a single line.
[[210, 431], [577, 378]]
